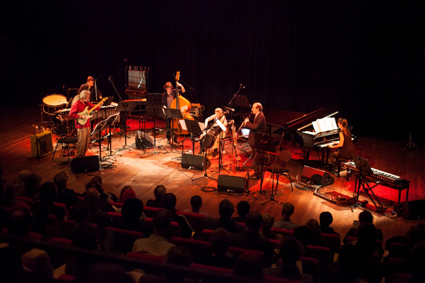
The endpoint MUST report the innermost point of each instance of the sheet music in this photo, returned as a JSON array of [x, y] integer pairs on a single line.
[[183, 124], [324, 125]]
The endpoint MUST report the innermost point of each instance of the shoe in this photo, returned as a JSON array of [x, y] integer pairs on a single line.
[[202, 151], [175, 139]]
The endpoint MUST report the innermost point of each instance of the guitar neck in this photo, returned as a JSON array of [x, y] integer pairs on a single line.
[[94, 107]]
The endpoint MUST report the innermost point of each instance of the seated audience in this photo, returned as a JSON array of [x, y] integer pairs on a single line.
[[285, 222], [250, 238], [316, 235], [48, 195], [249, 266], [32, 186], [266, 226], [127, 192], [289, 266], [98, 209], [364, 217], [196, 203], [20, 184], [133, 216], [225, 210], [159, 192], [242, 209], [157, 243], [169, 201], [326, 220], [65, 195], [220, 256]]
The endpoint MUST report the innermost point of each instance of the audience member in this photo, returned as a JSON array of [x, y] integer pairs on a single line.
[[250, 238], [316, 235], [98, 209], [285, 222], [127, 192], [159, 192], [65, 195], [242, 209], [326, 220], [364, 216], [196, 203], [249, 266], [220, 256], [32, 186], [225, 210], [133, 216], [266, 225], [157, 244], [20, 184], [289, 265], [48, 195], [169, 201]]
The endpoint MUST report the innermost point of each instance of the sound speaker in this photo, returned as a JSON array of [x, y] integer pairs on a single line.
[[85, 164], [143, 140], [414, 209], [231, 184], [317, 176], [43, 142], [197, 162]]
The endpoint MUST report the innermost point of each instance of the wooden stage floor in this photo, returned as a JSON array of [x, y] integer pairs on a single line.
[[144, 171]]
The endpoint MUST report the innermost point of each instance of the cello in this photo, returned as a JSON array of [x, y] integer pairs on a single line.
[[184, 106]]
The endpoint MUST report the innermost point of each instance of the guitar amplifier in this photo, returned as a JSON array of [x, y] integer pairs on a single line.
[[42, 141]]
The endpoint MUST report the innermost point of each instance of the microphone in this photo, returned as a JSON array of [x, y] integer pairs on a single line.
[[242, 86], [228, 108], [110, 77]]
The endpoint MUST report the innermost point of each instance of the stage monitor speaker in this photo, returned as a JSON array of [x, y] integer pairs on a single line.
[[43, 142], [414, 209], [197, 162], [85, 164], [317, 176], [143, 140], [231, 184]]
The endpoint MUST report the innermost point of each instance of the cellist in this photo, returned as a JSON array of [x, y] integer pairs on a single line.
[[167, 98]]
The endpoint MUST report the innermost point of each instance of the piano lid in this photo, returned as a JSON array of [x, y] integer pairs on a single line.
[[306, 120]]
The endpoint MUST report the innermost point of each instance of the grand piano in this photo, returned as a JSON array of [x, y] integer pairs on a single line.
[[299, 130]]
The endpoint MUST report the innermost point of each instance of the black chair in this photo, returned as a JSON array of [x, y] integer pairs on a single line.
[[284, 156], [64, 139], [339, 162]]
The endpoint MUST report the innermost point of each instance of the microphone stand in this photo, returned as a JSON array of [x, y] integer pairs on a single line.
[[112, 83], [95, 89], [233, 98]]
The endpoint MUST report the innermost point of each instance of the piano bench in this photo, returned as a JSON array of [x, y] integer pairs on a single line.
[[339, 161]]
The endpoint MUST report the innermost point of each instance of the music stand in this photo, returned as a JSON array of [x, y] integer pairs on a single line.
[[155, 99], [194, 129], [124, 106], [172, 113], [263, 143], [109, 122], [362, 164], [154, 111]]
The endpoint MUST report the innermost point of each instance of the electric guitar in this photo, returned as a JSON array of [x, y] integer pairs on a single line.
[[82, 121]]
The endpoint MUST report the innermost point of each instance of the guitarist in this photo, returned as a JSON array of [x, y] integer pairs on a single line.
[[83, 131]]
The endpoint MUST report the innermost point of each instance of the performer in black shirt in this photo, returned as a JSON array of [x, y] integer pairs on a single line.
[[92, 87]]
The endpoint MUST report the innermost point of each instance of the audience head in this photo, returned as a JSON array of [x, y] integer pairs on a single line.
[[161, 220], [169, 201], [32, 185], [220, 241], [60, 180], [132, 209], [243, 209], [250, 266], [91, 196], [366, 216], [314, 227], [291, 250], [414, 235], [126, 193], [196, 203], [253, 221], [48, 192], [267, 222], [366, 243], [179, 255], [287, 210], [226, 209], [80, 211], [23, 175], [97, 179], [159, 192], [95, 185], [326, 219], [20, 222]]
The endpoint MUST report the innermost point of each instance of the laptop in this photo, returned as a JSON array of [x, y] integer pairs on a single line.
[[245, 132]]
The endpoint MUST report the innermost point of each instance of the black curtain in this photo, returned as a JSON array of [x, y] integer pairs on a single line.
[[363, 58]]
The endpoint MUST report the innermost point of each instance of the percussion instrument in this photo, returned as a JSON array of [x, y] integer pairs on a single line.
[[53, 103]]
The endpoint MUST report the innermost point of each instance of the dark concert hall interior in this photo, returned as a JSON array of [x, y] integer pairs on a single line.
[[271, 104]]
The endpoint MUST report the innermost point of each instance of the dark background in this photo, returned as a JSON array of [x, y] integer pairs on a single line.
[[363, 58]]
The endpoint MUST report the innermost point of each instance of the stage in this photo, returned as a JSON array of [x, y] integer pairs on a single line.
[[143, 170]]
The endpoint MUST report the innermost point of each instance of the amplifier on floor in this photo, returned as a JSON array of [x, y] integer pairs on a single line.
[[231, 184], [414, 209], [317, 176], [143, 140], [85, 164], [41, 143], [197, 162]]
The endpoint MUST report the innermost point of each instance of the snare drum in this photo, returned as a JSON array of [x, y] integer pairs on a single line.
[[53, 103]]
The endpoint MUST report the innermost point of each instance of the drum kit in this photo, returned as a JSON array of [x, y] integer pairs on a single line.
[[54, 111]]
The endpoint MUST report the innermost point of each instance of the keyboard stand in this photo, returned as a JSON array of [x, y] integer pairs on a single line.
[[363, 185]]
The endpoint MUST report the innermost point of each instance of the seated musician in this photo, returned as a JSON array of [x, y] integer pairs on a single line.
[[345, 144], [256, 122], [167, 98], [92, 87], [208, 138]]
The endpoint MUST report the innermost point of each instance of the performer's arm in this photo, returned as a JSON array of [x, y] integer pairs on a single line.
[[341, 141], [73, 113], [181, 86], [256, 124]]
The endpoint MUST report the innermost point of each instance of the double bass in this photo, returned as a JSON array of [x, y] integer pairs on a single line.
[[184, 106]]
